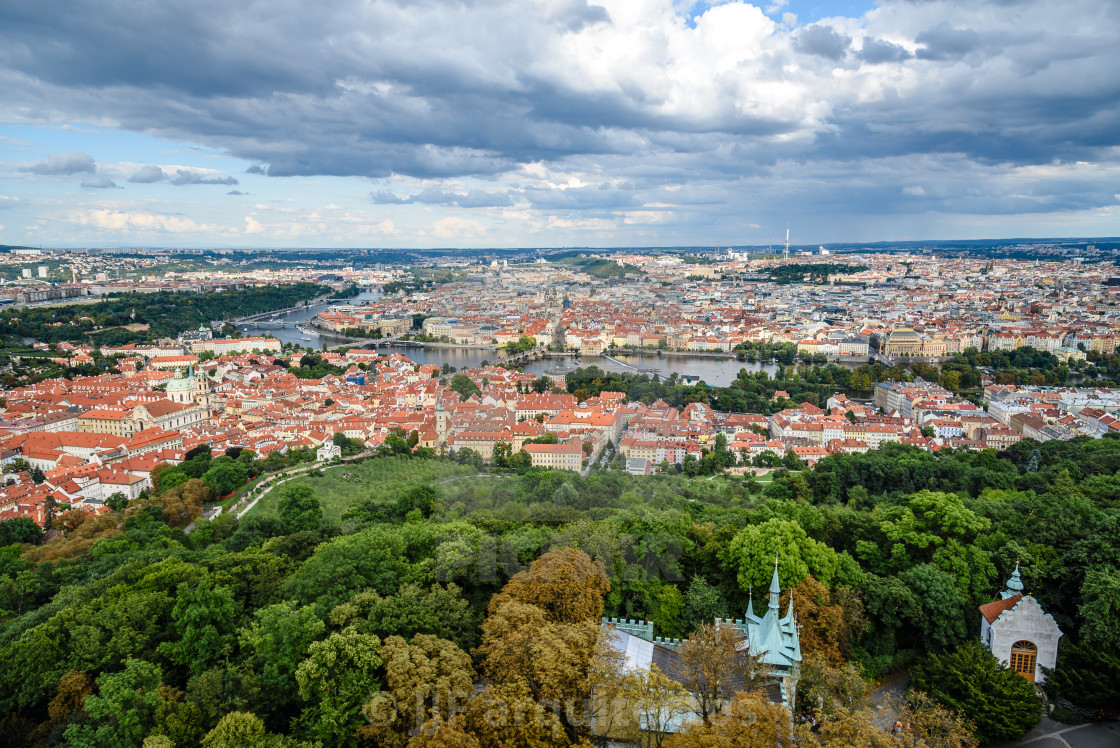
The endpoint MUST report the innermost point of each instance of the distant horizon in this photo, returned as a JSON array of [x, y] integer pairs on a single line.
[[589, 248]]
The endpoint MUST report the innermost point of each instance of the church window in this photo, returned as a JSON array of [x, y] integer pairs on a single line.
[[1024, 655]]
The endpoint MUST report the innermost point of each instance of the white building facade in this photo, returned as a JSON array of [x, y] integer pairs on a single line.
[[1019, 632]]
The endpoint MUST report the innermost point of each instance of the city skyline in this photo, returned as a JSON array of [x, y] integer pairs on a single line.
[[564, 124]]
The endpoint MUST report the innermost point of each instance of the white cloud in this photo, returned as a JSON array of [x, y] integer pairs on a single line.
[[127, 221], [253, 226], [98, 183], [64, 163], [454, 227]]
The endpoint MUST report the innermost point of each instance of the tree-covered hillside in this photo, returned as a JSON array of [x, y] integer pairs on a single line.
[[282, 627], [166, 314]]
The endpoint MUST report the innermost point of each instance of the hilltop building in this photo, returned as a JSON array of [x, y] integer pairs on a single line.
[[772, 637], [1019, 632]]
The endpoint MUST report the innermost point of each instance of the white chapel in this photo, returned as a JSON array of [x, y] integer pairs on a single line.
[[1019, 632]]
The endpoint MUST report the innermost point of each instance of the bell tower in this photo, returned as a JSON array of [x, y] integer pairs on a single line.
[[441, 421]]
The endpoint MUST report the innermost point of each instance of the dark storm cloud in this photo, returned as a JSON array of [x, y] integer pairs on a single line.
[[147, 175], [99, 183], [433, 196], [575, 15], [943, 42], [384, 197], [193, 177], [64, 163], [470, 199], [1020, 129], [451, 88], [878, 51], [823, 41], [422, 101]]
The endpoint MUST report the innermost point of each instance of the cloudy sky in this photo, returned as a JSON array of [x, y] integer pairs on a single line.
[[556, 122]]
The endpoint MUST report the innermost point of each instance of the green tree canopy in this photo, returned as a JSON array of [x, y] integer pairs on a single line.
[[465, 386], [439, 610], [337, 679], [1101, 609], [299, 509], [204, 617], [278, 639], [124, 710], [20, 530], [372, 558], [752, 553], [971, 681], [224, 476]]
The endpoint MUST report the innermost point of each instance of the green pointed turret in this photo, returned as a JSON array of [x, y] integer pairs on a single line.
[[775, 587], [1014, 584]]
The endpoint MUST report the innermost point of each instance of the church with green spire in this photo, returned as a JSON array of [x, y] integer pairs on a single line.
[[771, 637], [1019, 632], [774, 637]]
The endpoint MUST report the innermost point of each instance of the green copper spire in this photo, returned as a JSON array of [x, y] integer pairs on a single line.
[[750, 603], [1014, 584], [775, 587]]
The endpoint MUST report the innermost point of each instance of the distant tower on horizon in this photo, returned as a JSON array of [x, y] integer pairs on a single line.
[[785, 252]]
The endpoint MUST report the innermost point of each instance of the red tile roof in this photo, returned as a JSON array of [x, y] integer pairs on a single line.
[[994, 610]]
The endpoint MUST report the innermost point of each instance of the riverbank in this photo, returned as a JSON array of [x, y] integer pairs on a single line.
[[456, 346], [317, 301], [666, 352], [313, 328], [726, 355]]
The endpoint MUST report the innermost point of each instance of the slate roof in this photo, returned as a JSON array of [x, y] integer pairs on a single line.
[[772, 637]]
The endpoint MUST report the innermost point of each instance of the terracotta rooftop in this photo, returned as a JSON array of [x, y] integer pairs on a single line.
[[994, 610]]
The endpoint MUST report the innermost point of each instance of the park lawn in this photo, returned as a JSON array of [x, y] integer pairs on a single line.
[[377, 479]]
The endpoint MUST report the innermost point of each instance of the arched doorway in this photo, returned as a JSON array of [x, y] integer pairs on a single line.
[[1024, 656]]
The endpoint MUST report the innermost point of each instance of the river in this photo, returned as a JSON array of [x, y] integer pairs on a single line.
[[714, 370]]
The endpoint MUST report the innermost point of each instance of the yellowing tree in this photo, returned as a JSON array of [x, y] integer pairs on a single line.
[[520, 645], [650, 705], [425, 679], [932, 724], [443, 733], [849, 728], [712, 669], [565, 583], [821, 622], [750, 721], [561, 664], [825, 689]]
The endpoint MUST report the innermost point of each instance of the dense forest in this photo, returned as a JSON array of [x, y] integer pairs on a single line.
[[599, 267], [165, 314], [812, 272], [294, 626]]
